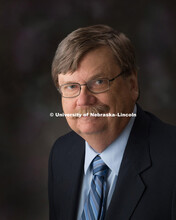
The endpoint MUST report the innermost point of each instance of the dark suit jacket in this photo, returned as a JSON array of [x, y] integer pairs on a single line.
[[146, 185]]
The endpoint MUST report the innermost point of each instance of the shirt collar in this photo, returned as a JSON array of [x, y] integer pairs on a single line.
[[112, 155]]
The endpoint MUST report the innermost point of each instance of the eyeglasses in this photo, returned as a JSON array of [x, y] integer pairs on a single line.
[[71, 90]]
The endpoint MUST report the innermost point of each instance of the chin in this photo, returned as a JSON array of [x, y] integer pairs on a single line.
[[88, 125], [88, 129], [88, 132]]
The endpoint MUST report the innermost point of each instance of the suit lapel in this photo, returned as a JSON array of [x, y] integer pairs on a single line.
[[130, 187], [72, 174]]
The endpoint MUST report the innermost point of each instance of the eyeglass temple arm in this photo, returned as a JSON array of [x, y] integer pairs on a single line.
[[117, 76]]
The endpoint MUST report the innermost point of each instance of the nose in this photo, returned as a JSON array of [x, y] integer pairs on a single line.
[[85, 97]]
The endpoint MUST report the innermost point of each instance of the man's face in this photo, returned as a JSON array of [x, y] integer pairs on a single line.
[[120, 98]]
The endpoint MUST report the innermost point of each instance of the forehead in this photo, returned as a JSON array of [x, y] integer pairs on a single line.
[[99, 62]]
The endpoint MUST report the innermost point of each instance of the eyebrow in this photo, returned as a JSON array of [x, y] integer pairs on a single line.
[[97, 76]]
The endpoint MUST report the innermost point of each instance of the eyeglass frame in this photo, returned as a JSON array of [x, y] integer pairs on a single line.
[[85, 84]]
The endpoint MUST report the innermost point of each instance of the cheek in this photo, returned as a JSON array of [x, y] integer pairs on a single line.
[[111, 98], [67, 106], [117, 101]]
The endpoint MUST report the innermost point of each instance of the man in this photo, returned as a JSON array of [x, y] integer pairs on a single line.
[[113, 166]]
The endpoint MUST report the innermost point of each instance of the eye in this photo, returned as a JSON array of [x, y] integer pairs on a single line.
[[70, 87], [99, 81]]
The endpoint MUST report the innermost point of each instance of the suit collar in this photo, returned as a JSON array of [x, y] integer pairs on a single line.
[[130, 187]]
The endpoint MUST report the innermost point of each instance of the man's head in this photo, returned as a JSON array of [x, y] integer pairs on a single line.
[[71, 49], [85, 57]]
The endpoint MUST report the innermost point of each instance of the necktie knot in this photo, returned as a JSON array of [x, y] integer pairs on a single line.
[[99, 167]]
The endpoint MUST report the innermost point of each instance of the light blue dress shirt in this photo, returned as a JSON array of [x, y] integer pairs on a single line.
[[112, 156]]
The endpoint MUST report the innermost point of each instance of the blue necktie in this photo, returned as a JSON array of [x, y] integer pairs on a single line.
[[95, 205]]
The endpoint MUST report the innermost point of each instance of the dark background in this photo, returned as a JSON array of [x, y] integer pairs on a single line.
[[29, 34]]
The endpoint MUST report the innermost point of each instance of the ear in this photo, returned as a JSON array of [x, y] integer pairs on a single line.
[[133, 85]]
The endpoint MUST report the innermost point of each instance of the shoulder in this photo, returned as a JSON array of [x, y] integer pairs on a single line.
[[67, 143], [162, 141], [161, 129], [68, 138], [160, 136], [156, 126]]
